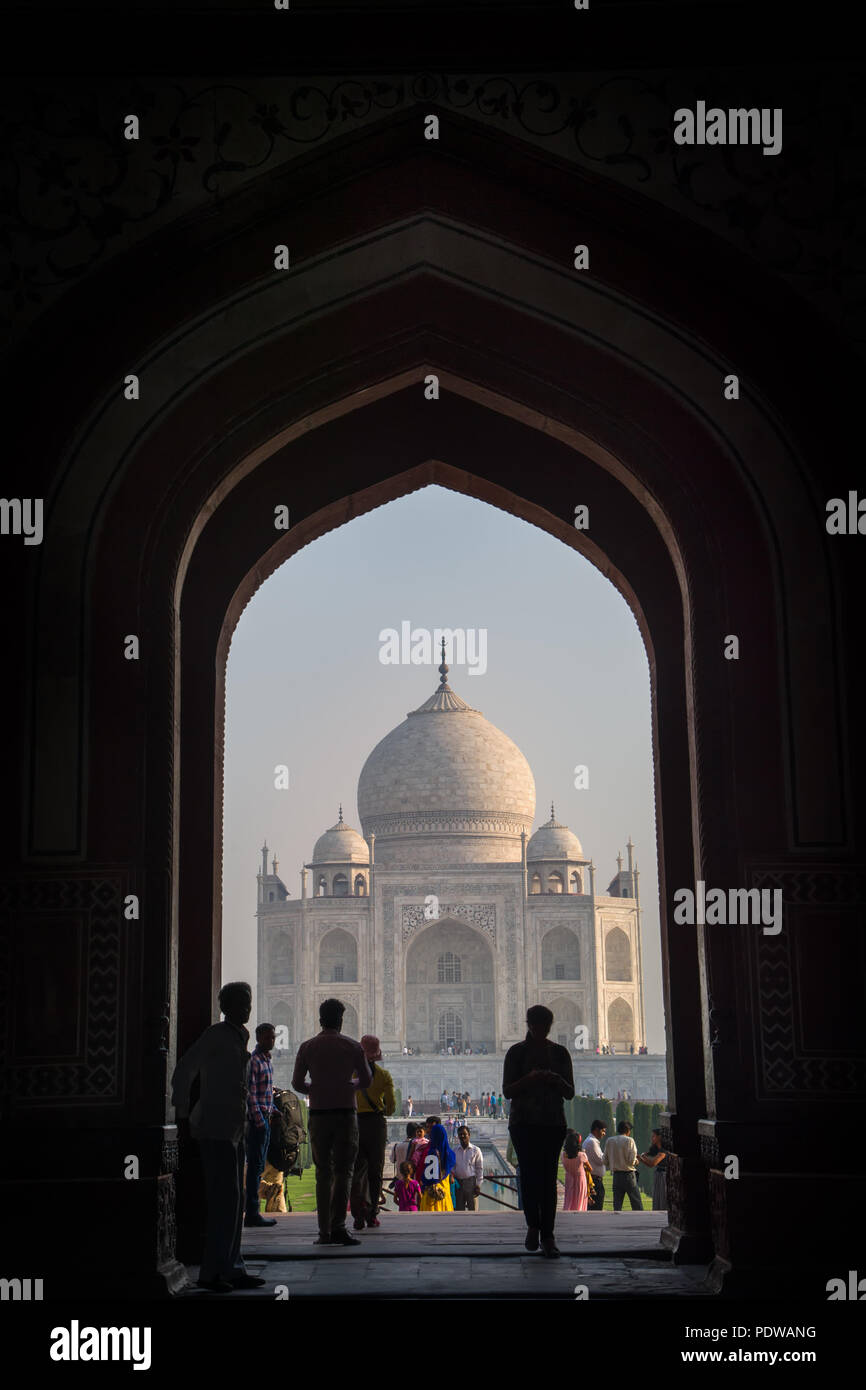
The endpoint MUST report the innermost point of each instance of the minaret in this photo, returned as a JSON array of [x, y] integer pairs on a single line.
[[265, 860], [274, 864]]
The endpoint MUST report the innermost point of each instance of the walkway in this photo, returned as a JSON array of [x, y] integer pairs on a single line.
[[469, 1255]]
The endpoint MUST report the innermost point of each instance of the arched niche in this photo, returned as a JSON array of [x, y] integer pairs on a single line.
[[449, 948], [338, 957], [560, 954], [620, 1025], [617, 955]]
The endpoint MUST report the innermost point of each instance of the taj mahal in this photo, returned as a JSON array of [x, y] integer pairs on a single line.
[[444, 918]]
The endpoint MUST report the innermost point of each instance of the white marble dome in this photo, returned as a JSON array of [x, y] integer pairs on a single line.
[[553, 841], [446, 786], [341, 845]]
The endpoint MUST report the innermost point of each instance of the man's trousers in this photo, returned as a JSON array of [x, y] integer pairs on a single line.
[[334, 1142], [223, 1164], [367, 1178], [464, 1197], [625, 1184]]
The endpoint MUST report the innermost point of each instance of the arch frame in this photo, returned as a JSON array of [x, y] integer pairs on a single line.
[[170, 483]]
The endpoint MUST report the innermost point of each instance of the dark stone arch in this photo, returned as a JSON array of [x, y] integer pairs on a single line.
[[698, 533]]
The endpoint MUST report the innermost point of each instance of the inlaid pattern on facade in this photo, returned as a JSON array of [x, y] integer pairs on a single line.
[[481, 915]]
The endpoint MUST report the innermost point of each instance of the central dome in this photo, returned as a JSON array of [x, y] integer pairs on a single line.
[[446, 787]]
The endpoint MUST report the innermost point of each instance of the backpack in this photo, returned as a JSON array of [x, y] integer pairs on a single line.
[[287, 1133]]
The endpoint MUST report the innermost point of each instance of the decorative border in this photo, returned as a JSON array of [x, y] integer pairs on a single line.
[[94, 1078], [76, 192], [480, 915], [783, 1070]]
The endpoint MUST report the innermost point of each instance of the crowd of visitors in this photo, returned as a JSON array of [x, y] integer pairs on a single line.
[[586, 1164], [350, 1094]]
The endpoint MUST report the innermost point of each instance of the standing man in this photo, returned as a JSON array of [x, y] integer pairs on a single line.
[[331, 1060], [620, 1156], [410, 1106], [468, 1171], [374, 1102], [537, 1077], [592, 1148], [220, 1061], [260, 1106]]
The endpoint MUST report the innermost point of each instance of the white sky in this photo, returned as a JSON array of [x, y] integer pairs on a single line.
[[567, 680]]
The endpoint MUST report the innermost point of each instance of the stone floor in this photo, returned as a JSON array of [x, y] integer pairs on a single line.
[[468, 1255]]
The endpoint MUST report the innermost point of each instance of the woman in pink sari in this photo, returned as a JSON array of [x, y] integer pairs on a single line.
[[575, 1162]]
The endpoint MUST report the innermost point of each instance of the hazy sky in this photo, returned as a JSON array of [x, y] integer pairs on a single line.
[[567, 680]]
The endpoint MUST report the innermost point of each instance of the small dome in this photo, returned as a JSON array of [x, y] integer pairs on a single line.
[[342, 844], [554, 841]]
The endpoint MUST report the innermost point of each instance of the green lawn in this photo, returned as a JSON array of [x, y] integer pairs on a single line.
[[302, 1192]]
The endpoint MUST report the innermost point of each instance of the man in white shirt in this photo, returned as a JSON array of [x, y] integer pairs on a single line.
[[468, 1171], [221, 1062], [620, 1156], [592, 1148]]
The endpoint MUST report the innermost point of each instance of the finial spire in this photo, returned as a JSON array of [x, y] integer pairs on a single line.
[[340, 821], [443, 670], [552, 812]]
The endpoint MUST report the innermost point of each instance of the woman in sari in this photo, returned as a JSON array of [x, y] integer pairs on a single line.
[[575, 1163], [434, 1164]]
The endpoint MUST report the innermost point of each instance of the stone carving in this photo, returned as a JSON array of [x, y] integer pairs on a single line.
[[783, 1067], [76, 193], [481, 915], [170, 1156], [166, 1230], [94, 1075]]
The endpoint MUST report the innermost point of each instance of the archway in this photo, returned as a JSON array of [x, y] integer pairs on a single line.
[[338, 957], [449, 989], [560, 954], [620, 1025], [567, 1015], [352, 429], [617, 955]]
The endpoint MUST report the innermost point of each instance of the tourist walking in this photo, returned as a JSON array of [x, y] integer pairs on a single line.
[[410, 1106], [331, 1060], [620, 1156], [592, 1147], [260, 1107], [468, 1171], [537, 1077], [435, 1164], [220, 1062], [576, 1164], [656, 1158], [374, 1102]]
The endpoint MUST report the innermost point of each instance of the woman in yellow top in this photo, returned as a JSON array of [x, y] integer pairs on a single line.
[[434, 1164], [374, 1102]]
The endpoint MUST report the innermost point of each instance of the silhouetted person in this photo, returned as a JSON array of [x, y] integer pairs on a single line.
[[374, 1102], [330, 1059], [537, 1077], [221, 1062], [260, 1104]]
